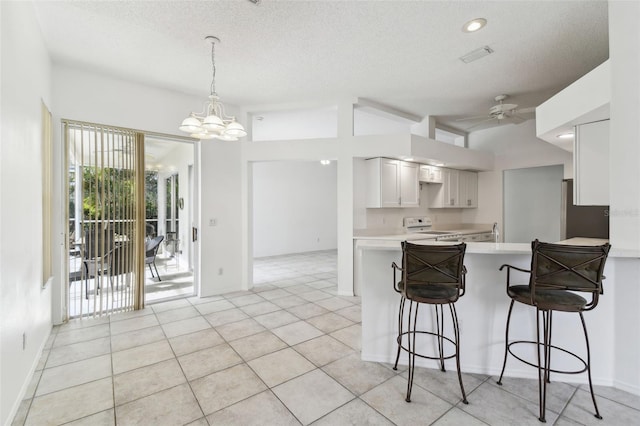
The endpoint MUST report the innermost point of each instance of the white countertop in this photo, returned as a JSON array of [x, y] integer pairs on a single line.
[[393, 243], [401, 235]]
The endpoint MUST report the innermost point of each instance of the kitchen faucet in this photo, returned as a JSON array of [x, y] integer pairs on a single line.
[[495, 232]]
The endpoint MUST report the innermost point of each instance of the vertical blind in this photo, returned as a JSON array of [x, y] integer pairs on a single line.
[[106, 219]]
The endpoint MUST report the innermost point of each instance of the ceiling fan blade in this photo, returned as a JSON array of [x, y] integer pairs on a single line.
[[525, 110], [475, 117], [479, 123], [514, 119]]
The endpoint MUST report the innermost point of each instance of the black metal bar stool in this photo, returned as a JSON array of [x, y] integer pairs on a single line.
[[435, 275], [557, 272]]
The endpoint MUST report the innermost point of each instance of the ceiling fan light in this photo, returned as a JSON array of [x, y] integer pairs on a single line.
[[235, 130], [226, 137], [203, 135], [191, 125], [213, 122]]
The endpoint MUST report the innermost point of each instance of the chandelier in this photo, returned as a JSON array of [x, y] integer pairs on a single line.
[[212, 122]]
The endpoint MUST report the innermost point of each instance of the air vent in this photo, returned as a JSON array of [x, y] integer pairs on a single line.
[[476, 54]]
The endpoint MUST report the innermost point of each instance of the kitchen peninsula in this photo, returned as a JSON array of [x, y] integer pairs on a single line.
[[482, 312]]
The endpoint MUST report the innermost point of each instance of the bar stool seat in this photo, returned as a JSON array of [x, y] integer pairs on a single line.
[[433, 275], [558, 272]]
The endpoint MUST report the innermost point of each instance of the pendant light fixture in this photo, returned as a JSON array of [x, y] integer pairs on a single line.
[[212, 122]]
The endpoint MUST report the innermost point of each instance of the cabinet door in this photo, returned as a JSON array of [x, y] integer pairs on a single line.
[[468, 189], [409, 185], [450, 186], [390, 183]]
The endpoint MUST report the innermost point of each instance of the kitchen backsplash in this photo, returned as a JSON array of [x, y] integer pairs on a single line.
[[391, 218]]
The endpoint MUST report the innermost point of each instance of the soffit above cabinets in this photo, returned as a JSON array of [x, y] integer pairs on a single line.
[[584, 101]]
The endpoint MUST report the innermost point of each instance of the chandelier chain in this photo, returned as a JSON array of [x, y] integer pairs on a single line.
[[213, 67]]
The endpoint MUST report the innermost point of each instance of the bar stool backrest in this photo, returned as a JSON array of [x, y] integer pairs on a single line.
[[564, 267], [431, 265]]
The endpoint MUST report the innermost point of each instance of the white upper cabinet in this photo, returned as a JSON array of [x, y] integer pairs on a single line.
[[591, 164], [430, 174], [392, 183], [459, 189], [468, 189]]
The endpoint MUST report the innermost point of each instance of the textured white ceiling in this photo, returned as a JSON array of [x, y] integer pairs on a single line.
[[400, 53]]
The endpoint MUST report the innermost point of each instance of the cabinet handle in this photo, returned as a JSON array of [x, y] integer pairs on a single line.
[[400, 200]]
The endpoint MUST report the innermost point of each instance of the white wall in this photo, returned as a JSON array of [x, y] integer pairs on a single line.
[[294, 207], [306, 123], [87, 96], [24, 306]]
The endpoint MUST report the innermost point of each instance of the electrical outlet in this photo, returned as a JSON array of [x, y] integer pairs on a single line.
[[24, 341], [318, 239], [213, 222], [220, 271]]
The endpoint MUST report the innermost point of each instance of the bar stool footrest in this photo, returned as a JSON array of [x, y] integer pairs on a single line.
[[531, 342]]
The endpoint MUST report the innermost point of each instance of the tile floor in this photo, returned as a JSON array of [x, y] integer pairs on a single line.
[[285, 353]]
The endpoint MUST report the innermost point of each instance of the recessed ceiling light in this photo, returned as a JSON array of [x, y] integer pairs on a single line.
[[568, 135], [474, 25], [325, 162]]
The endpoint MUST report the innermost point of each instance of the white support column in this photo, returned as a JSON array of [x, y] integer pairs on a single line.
[[345, 198]]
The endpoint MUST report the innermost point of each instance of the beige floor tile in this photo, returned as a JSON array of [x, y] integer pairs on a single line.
[[356, 375], [215, 306], [192, 342], [257, 345], [200, 422], [312, 395], [131, 314], [80, 335], [354, 413], [133, 324], [258, 410], [314, 295], [307, 310], [323, 350], [77, 323], [132, 339], [226, 387], [177, 314], [207, 361], [455, 417], [274, 293], [174, 406], [200, 300], [103, 418], [445, 384], [297, 332], [580, 409], [278, 367], [350, 336], [329, 322], [493, 405], [148, 380], [334, 303], [73, 374], [558, 393], [299, 289], [78, 351], [239, 329], [172, 304], [225, 317], [141, 356], [247, 299], [276, 319], [353, 313], [389, 400], [43, 359], [62, 406], [616, 395], [185, 326], [33, 384], [260, 308], [289, 301]]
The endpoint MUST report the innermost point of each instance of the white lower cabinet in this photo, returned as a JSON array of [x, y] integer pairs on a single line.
[[392, 183], [591, 164], [459, 189]]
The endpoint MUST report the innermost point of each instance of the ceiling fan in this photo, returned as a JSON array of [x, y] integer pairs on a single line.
[[503, 113]]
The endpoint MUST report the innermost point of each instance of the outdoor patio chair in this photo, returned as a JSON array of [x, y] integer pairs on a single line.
[[151, 249]]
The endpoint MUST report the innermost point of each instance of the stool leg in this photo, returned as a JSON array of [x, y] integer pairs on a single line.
[[586, 339], [543, 367], [412, 349], [506, 343], [456, 331], [440, 331], [548, 360], [399, 339]]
